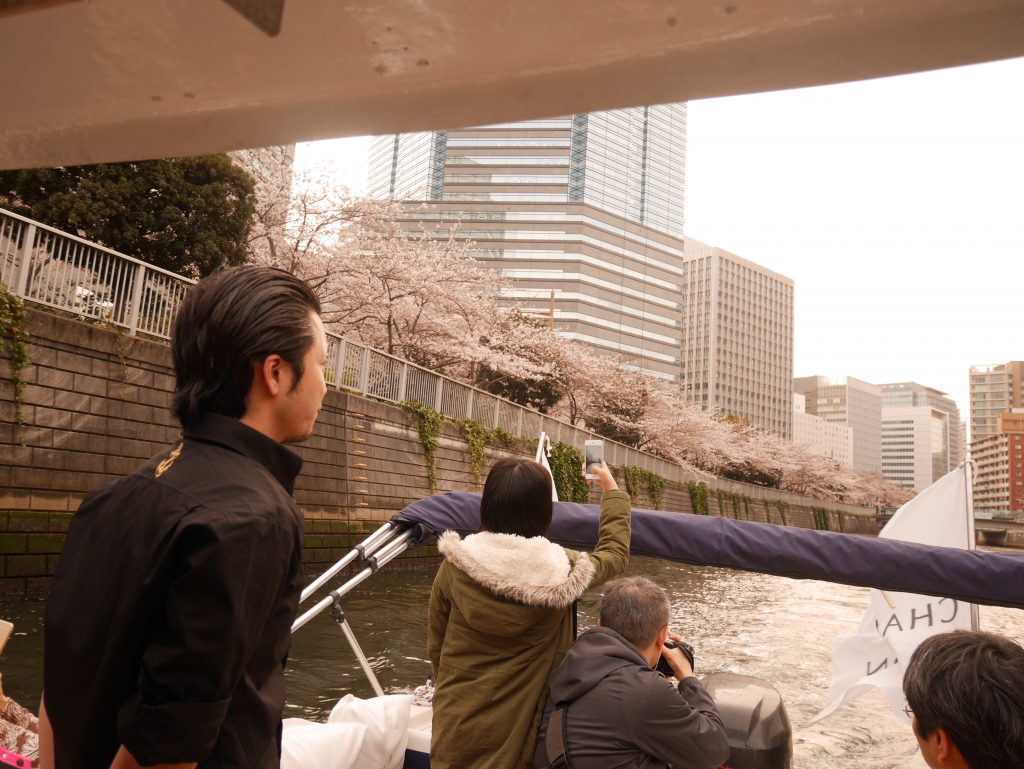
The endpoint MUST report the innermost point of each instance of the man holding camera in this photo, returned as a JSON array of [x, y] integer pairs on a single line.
[[610, 709]]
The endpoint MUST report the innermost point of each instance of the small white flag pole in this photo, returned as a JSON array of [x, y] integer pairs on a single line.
[[543, 450], [972, 534], [895, 623]]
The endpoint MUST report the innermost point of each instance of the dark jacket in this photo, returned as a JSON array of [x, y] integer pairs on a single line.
[[500, 619], [170, 615], [622, 714]]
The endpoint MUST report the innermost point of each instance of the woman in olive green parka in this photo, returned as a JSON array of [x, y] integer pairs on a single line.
[[500, 616]]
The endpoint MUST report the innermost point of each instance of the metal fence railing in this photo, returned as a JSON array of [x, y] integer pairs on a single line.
[[46, 266], [49, 267]]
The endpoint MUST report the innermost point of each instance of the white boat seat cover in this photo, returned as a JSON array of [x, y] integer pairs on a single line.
[[359, 734]]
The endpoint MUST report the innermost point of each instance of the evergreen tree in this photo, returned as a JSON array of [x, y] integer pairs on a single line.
[[187, 215]]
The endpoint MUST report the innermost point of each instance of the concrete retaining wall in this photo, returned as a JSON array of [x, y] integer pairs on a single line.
[[97, 405]]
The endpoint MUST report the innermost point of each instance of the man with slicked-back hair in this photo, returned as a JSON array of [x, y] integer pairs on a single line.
[[169, 621]]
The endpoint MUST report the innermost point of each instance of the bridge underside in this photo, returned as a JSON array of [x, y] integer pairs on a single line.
[[134, 79], [992, 537]]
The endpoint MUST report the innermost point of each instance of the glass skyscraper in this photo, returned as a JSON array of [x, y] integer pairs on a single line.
[[583, 214]]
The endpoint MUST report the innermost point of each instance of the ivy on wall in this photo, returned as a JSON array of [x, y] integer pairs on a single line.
[[783, 508], [566, 462], [503, 437], [736, 503], [476, 437], [698, 498], [14, 344], [429, 422], [122, 343], [637, 479], [820, 515], [656, 487]]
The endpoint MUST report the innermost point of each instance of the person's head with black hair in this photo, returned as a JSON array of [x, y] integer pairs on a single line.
[[966, 692], [516, 499], [243, 343]]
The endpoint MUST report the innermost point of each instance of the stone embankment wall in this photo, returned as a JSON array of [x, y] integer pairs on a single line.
[[96, 406]]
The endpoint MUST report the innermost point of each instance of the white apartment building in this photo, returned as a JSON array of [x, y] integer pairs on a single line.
[[851, 402], [995, 390], [827, 439], [921, 439], [737, 351], [999, 465], [991, 456]]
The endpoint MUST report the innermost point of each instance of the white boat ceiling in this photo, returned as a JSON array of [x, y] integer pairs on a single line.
[[87, 81]]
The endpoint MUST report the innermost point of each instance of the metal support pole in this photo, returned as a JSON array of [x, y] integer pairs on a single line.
[[338, 615], [403, 378], [339, 364], [363, 550], [138, 283], [364, 371], [25, 261], [972, 535], [387, 553]]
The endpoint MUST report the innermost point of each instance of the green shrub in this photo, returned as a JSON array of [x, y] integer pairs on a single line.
[[698, 498], [566, 463], [637, 479]]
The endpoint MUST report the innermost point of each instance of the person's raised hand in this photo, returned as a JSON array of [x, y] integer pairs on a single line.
[[605, 479]]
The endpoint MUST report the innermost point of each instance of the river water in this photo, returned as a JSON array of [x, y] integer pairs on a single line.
[[778, 629]]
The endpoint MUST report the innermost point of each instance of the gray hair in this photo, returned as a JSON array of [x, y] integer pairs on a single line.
[[636, 609], [971, 684]]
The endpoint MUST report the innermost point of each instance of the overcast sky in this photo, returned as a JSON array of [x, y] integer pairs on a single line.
[[896, 205]]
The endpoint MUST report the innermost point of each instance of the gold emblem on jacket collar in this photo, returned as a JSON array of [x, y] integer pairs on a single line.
[[164, 466]]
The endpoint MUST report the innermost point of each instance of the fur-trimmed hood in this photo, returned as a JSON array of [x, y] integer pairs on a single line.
[[534, 571]]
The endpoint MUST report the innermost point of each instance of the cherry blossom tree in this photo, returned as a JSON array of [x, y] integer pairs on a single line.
[[412, 292], [419, 294]]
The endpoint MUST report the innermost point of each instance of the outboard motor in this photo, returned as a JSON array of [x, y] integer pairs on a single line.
[[756, 722]]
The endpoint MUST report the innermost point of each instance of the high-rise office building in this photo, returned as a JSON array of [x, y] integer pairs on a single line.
[[827, 439], [852, 402], [738, 338], [994, 390], [583, 214], [921, 439]]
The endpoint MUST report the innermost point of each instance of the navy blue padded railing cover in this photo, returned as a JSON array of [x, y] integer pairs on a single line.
[[983, 577]]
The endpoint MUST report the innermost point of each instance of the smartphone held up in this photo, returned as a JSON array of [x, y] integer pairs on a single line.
[[593, 454]]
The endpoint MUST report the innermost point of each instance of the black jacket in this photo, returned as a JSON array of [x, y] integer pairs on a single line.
[[624, 715], [169, 620]]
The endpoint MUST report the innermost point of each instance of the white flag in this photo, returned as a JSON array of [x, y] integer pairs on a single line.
[[895, 623], [543, 447]]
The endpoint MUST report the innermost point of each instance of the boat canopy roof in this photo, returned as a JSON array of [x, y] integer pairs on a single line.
[[993, 578], [114, 80]]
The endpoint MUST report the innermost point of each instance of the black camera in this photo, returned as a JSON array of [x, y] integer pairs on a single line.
[[666, 669]]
